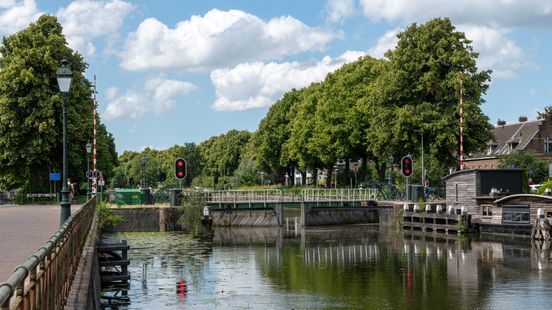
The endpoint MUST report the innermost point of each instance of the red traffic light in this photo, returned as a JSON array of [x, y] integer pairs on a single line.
[[180, 169], [406, 166]]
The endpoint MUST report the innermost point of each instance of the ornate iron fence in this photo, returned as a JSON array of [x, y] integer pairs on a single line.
[[44, 280]]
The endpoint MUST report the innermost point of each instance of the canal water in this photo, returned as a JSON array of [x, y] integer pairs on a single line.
[[349, 267]]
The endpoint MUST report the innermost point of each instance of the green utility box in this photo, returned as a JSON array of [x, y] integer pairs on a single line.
[[129, 197], [415, 192]]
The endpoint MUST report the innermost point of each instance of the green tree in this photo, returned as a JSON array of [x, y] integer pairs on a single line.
[[423, 84], [221, 154], [300, 147], [342, 115], [536, 168], [159, 167], [190, 152], [273, 133], [106, 153], [31, 107], [247, 172]]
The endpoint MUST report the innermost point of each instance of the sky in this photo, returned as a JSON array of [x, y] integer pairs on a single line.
[[177, 71]]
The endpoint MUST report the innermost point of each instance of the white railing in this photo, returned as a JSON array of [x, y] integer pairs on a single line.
[[271, 196], [351, 195], [241, 196]]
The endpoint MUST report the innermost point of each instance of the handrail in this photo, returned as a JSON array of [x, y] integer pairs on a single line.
[[340, 195], [276, 196], [44, 280]]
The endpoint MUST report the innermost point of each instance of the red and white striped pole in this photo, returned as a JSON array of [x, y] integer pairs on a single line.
[[461, 129], [94, 179]]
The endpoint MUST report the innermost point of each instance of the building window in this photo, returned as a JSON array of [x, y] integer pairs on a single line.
[[486, 210], [515, 214], [548, 145], [456, 187], [549, 214], [512, 146]]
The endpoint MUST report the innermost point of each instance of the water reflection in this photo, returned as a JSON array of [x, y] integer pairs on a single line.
[[362, 267]]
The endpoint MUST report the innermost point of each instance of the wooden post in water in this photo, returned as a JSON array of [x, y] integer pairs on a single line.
[[541, 229]]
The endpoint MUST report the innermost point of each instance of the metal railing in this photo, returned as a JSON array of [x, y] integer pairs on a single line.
[[343, 195], [271, 197], [44, 280], [236, 197]]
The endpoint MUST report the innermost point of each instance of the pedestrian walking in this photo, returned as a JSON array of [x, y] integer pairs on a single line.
[[71, 189]]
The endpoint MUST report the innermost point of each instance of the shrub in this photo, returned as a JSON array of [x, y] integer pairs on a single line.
[[107, 218], [192, 210]]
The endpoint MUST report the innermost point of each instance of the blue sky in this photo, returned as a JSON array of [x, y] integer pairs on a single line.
[[170, 72]]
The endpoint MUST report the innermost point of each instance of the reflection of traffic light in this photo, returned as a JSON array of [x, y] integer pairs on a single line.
[[406, 166], [180, 169]]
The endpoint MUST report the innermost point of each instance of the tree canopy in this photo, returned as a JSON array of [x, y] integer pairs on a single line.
[[376, 109], [31, 109], [221, 154]]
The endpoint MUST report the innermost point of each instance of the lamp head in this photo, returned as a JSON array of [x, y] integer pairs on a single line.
[[64, 76]]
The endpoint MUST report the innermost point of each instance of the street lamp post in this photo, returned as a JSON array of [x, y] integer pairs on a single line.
[[88, 147], [64, 78], [143, 162]]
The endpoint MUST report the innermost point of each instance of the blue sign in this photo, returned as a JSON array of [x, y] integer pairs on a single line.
[[56, 176]]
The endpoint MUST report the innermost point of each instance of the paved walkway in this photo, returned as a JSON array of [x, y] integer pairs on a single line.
[[23, 229]]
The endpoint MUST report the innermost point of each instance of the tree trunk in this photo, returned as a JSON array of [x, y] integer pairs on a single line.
[[361, 175], [347, 173], [304, 177], [380, 167], [329, 177], [291, 176]]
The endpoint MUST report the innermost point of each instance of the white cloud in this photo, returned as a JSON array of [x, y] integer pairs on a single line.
[[84, 20], [489, 12], [156, 97], [386, 42], [163, 90], [218, 39], [15, 15], [256, 85], [337, 10], [496, 51]]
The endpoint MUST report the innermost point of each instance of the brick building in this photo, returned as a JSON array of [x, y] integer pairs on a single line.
[[521, 136]]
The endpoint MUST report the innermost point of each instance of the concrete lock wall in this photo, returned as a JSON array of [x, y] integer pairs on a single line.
[[147, 218], [338, 215], [250, 217]]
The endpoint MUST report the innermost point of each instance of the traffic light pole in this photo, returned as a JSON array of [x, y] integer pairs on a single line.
[[406, 188]]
